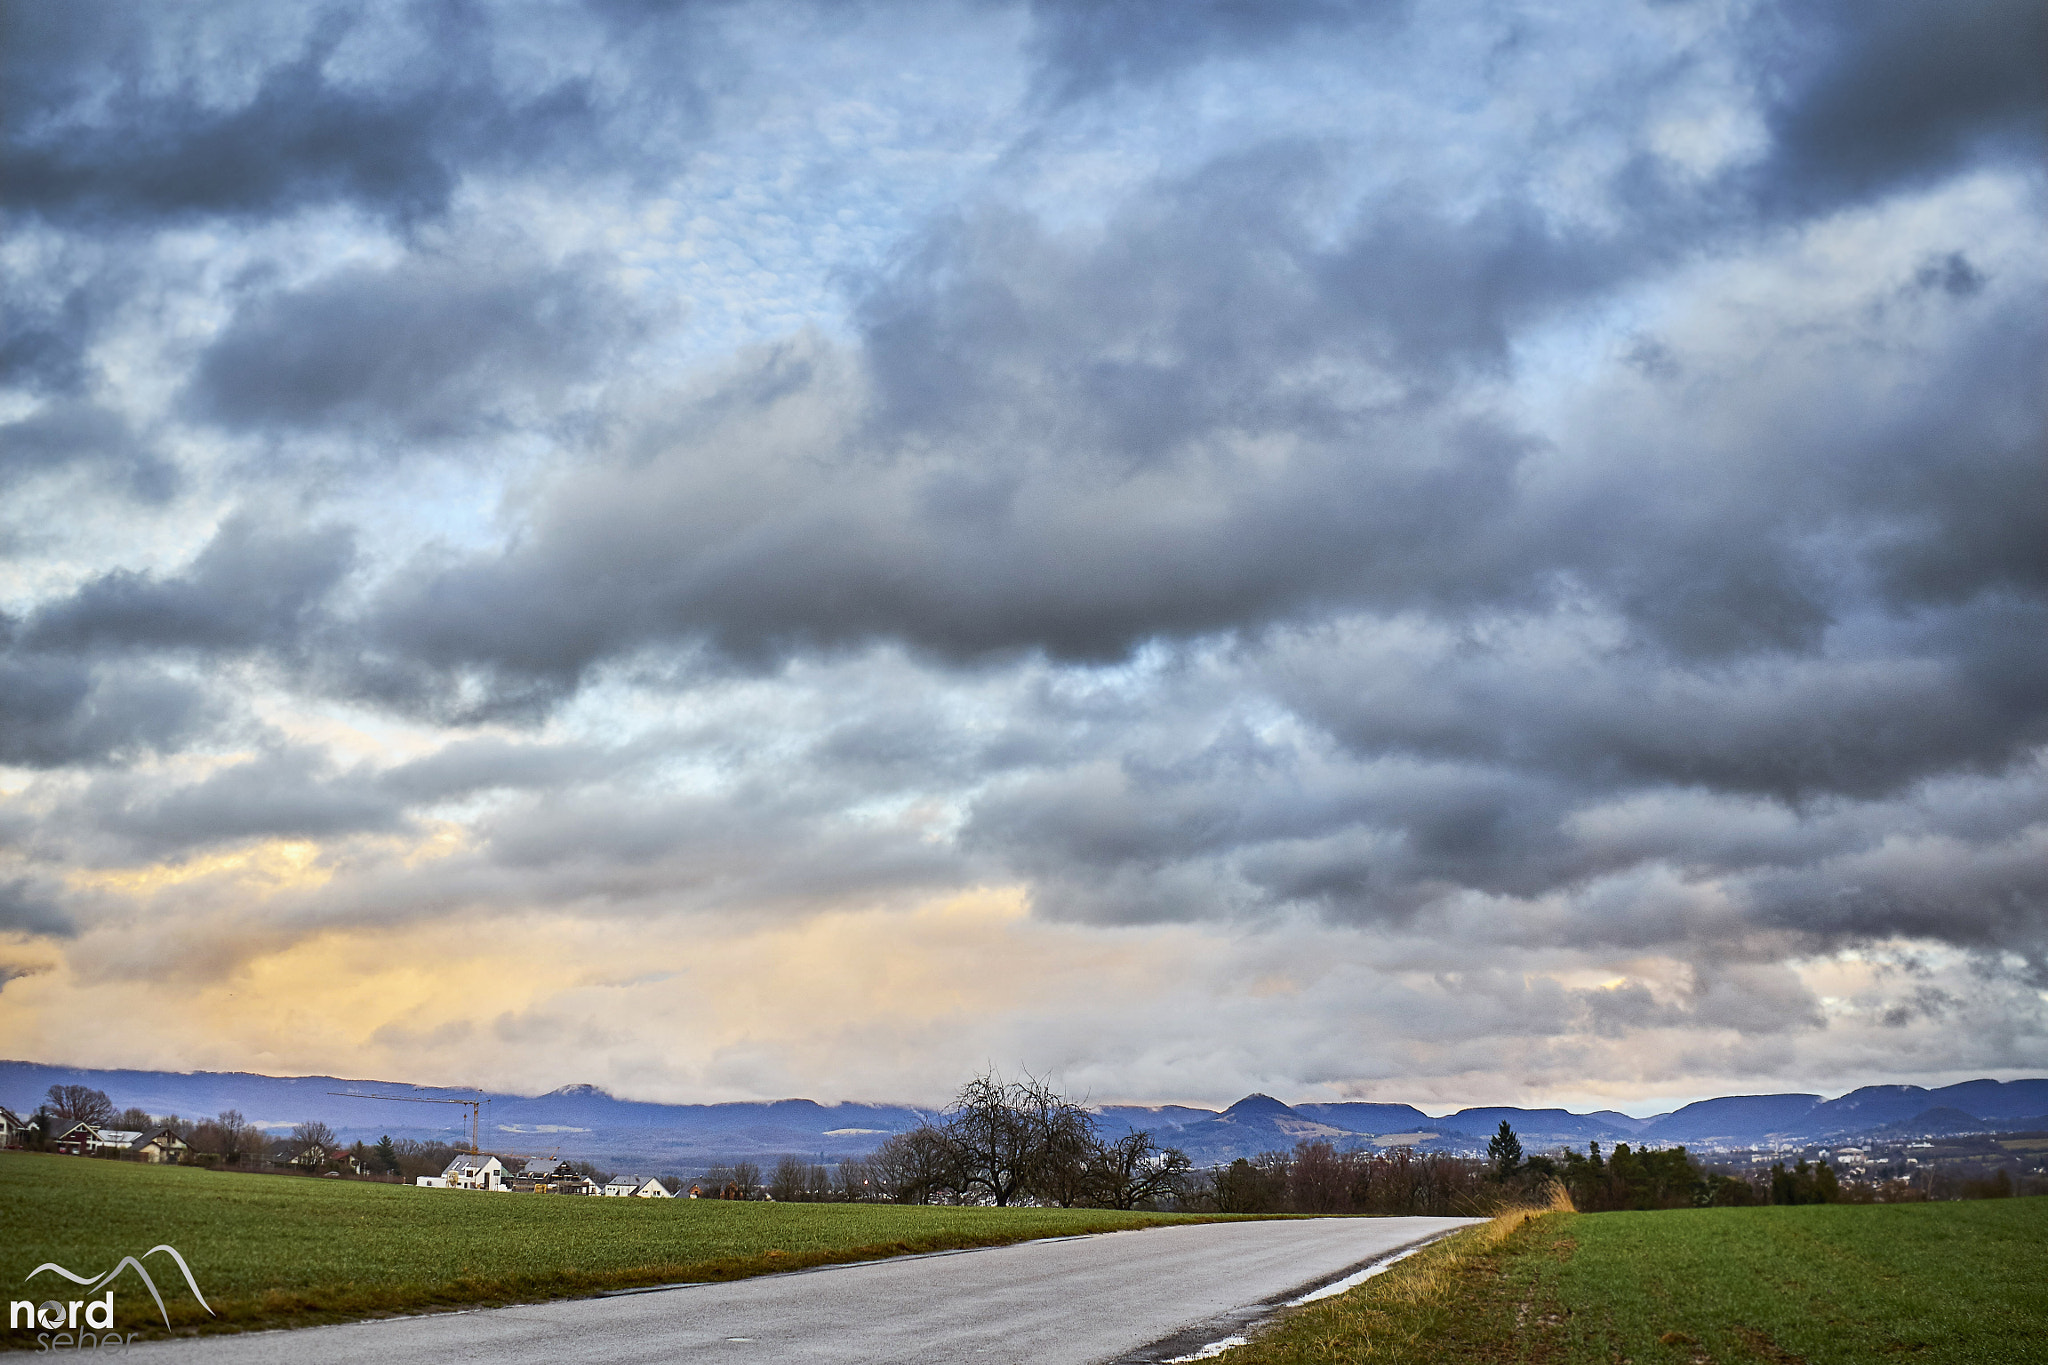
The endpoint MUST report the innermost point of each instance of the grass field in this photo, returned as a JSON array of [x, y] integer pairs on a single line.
[[1931, 1283], [272, 1251]]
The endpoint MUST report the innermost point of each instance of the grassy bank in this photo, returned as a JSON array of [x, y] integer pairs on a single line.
[[271, 1251], [1931, 1283]]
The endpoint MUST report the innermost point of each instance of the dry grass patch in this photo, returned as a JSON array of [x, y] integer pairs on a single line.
[[1463, 1298]]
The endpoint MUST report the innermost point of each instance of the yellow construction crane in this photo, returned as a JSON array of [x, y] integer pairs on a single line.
[[474, 1106]]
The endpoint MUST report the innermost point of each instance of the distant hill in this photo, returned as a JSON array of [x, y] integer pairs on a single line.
[[1256, 1123], [1539, 1128], [1733, 1120], [584, 1122], [1368, 1118], [1877, 1105]]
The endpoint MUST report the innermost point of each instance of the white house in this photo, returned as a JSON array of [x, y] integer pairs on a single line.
[[12, 1129], [162, 1146], [633, 1187], [471, 1171]]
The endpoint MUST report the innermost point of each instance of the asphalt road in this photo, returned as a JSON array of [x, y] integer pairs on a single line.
[[1118, 1296]]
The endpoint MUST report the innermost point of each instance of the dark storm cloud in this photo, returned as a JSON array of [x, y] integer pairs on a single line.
[[44, 335], [69, 435], [428, 348], [1866, 98], [1965, 473], [1785, 727], [56, 712], [79, 679], [1991, 895], [26, 907], [95, 133], [250, 588], [1282, 830]]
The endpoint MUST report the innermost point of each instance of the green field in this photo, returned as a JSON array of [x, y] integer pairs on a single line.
[[1952, 1283], [272, 1251]]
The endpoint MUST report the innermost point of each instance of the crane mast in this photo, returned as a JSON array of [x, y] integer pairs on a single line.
[[474, 1106]]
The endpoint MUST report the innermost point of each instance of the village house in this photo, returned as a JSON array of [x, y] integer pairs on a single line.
[[77, 1139], [548, 1175], [163, 1147], [543, 1168], [473, 1171], [633, 1187], [312, 1156], [13, 1132]]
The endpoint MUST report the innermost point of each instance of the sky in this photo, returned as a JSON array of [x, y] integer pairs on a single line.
[[1418, 550]]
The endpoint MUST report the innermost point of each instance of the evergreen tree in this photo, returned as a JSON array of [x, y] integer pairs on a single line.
[[1504, 1151]]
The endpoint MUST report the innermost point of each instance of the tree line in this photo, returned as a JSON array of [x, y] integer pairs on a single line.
[[1022, 1142], [229, 1139], [1668, 1178]]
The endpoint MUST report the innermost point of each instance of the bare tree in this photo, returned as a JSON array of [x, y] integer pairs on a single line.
[[1134, 1171], [1006, 1135], [234, 1137], [747, 1176], [917, 1167], [787, 1185], [309, 1138], [80, 1104], [856, 1183]]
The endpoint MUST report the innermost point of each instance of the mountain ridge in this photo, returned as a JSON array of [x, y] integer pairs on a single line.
[[587, 1121]]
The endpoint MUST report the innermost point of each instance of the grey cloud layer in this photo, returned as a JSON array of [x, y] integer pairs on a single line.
[[1297, 530], [106, 126]]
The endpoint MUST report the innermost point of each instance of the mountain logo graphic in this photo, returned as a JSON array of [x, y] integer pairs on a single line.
[[124, 1263]]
